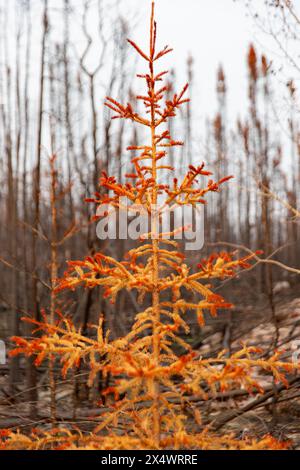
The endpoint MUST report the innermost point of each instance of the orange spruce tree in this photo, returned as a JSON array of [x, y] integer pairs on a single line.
[[151, 380]]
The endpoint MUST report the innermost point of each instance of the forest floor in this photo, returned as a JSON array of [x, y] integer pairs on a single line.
[[276, 412]]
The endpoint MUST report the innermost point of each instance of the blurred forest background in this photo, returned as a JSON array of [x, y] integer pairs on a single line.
[[51, 103]]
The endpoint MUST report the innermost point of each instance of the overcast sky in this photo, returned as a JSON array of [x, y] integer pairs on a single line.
[[214, 32]]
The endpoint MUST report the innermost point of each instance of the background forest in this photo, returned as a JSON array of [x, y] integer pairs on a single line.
[[59, 59]]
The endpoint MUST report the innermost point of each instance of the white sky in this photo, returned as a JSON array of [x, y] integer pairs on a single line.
[[214, 32]]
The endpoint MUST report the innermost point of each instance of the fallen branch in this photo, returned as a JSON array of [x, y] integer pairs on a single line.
[[223, 419]]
